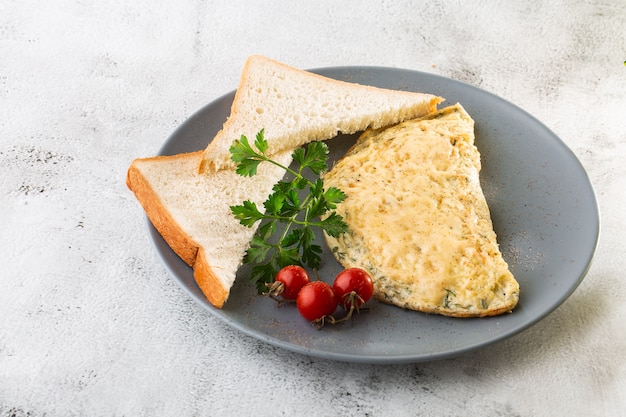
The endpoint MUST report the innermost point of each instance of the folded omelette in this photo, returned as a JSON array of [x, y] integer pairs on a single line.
[[418, 219]]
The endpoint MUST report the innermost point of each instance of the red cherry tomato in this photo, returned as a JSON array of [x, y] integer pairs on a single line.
[[353, 287], [316, 300], [292, 278]]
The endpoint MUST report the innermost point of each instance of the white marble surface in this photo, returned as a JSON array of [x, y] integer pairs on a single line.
[[91, 324]]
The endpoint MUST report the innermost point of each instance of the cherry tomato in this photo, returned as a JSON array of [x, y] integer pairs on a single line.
[[292, 278], [316, 300], [353, 287]]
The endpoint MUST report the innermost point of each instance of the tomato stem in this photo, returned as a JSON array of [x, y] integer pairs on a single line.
[[275, 289], [353, 300], [317, 275]]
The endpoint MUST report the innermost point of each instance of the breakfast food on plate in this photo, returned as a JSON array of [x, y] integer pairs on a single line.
[[192, 213], [295, 107], [418, 220], [190, 208]]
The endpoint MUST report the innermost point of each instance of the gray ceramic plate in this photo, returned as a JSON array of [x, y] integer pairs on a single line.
[[543, 208]]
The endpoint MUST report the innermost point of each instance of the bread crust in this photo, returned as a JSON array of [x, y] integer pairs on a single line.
[[176, 237], [208, 282]]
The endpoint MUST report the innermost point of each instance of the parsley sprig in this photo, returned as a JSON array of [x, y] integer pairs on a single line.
[[300, 204]]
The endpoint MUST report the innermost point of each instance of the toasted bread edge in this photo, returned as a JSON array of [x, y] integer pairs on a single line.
[[178, 240]]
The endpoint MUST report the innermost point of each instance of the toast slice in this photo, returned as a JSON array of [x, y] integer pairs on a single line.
[[418, 220], [192, 213], [296, 107]]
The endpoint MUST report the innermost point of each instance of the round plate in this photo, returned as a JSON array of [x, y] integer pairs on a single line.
[[543, 208]]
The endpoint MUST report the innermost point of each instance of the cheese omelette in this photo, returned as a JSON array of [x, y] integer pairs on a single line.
[[418, 220]]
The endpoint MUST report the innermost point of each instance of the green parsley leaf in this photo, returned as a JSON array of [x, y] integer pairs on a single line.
[[246, 158], [247, 214], [258, 250], [287, 256], [260, 142], [292, 238], [311, 257], [317, 207], [267, 229], [274, 203], [334, 225], [262, 274], [299, 204], [313, 157], [334, 196]]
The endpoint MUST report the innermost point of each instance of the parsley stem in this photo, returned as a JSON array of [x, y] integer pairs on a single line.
[[297, 174]]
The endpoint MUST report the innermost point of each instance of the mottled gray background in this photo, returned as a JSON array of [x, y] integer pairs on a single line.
[[91, 324]]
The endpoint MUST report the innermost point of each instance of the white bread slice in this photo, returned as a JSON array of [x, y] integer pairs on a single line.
[[192, 213], [296, 107]]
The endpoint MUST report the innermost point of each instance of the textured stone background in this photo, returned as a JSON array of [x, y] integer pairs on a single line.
[[91, 324]]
